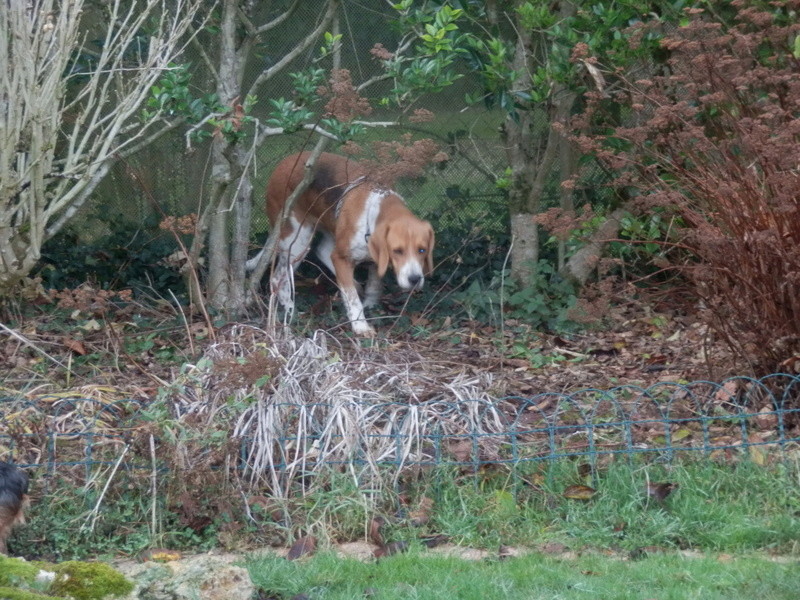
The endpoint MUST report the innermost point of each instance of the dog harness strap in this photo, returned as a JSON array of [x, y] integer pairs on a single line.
[[350, 187]]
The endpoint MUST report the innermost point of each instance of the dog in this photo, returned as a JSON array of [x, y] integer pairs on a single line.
[[13, 500], [360, 221]]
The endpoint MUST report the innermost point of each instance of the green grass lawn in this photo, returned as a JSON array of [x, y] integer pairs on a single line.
[[592, 576], [623, 545], [716, 507]]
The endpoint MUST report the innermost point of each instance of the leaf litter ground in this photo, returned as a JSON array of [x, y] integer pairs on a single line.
[[132, 351]]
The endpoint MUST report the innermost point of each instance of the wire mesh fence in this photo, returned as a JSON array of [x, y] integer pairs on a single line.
[[169, 178], [738, 418]]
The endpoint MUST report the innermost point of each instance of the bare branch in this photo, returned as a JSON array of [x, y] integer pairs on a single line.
[[50, 165], [304, 44], [87, 191], [200, 49], [278, 20]]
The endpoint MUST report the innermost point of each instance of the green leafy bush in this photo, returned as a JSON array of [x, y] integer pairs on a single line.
[[545, 304], [121, 259]]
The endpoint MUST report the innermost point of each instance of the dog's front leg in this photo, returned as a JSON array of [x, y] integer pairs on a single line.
[[347, 286], [374, 287]]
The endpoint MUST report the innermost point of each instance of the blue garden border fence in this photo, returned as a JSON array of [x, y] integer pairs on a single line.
[[661, 422]]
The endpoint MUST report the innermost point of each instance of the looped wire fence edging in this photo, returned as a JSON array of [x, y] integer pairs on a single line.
[[738, 416]]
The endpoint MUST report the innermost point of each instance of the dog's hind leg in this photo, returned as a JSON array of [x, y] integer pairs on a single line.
[[325, 250], [292, 249]]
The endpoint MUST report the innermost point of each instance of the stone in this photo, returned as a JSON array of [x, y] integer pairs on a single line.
[[200, 577]]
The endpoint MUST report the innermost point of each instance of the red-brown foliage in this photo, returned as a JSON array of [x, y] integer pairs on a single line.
[[345, 103], [387, 162], [715, 140]]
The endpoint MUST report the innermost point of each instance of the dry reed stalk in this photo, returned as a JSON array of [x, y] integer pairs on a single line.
[[370, 411]]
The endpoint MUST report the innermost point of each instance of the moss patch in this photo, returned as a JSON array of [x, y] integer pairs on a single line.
[[78, 580], [7, 593], [13, 571], [89, 581]]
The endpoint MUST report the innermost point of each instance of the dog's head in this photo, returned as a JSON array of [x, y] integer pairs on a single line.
[[408, 245]]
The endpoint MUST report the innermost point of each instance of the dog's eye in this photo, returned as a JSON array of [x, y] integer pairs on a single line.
[[422, 251], [398, 250]]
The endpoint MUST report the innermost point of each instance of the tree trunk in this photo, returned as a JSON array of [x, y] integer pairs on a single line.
[[522, 202], [568, 163], [229, 211], [531, 157], [581, 265], [229, 85], [242, 219], [525, 248]]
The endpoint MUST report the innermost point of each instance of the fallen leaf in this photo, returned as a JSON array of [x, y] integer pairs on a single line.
[[431, 541], [422, 515], [390, 549], [518, 363], [767, 418], [91, 325], [790, 365], [461, 450], [757, 453], [681, 434], [660, 491], [727, 392], [302, 546], [375, 525], [266, 506], [160, 555], [75, 346], [579, 492]]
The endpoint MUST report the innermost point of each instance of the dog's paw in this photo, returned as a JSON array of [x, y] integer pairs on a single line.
[[371, 301], [363, 329]]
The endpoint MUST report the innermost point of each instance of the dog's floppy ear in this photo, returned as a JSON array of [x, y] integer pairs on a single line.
[[379, 249], [429, 252]]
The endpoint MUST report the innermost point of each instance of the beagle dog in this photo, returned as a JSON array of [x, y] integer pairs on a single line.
[[360, 221]]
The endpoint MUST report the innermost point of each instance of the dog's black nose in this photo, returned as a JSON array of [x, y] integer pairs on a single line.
[[414, 280]]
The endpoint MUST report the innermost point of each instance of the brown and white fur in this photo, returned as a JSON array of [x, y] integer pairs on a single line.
[[360, 221], [13, 500]]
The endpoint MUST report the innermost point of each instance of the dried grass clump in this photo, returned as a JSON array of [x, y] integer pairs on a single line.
[[299, 405]]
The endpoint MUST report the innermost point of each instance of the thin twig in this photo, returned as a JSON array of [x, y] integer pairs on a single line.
[[95, 513], [153, 489], [21, 338]]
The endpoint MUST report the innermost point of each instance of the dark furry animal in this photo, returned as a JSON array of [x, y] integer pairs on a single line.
[[13, 500]]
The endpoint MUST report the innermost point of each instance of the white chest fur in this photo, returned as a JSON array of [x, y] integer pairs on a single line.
[[359, 245]]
